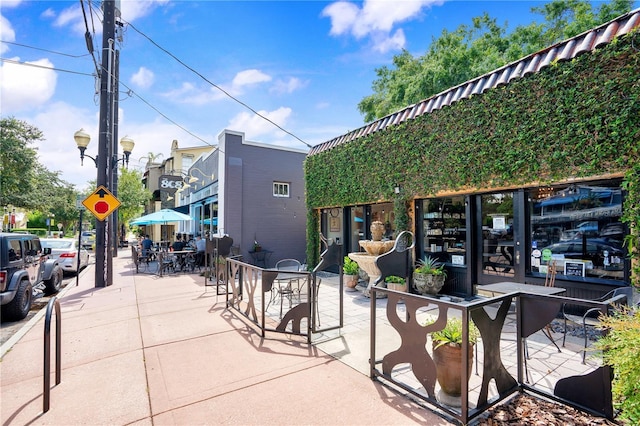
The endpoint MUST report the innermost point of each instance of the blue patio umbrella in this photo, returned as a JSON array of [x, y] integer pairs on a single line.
[[160, 217]]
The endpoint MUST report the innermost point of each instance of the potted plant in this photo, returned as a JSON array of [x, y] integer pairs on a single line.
[[447, 355], [396, 283], [351, 272], [429, 276]]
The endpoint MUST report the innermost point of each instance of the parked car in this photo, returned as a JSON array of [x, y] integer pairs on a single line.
[[26, 271], [88, 239], [594, 250], [66, 251], [613, 231]]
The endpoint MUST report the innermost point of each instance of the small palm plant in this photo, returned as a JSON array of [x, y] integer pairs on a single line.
[[452, 333], [430, 266]]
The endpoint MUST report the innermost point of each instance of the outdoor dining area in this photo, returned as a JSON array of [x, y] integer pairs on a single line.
[[165, 257]]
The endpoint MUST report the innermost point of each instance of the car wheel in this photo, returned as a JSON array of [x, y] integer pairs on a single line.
[[54, 283], [21, 303]]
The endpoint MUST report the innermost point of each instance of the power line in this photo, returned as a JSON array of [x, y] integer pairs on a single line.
[[43, 67], [216, 86], [129, 92], [44, 50]]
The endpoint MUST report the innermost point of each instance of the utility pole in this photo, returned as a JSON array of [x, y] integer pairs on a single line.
[[103, 258]]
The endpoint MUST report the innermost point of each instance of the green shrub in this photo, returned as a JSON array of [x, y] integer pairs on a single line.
[[621, 350], [394, 279], [350, 267]]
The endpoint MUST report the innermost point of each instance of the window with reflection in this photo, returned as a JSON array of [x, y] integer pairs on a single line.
[[578, 227]]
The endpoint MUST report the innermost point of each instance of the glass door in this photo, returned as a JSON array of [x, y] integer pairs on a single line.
[[497, 220]]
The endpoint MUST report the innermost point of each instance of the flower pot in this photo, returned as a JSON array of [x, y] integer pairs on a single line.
[[428, 283], [351, 281], [397, 287], [448, 360]]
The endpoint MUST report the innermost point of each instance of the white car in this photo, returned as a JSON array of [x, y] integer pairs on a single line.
[[66, 251]]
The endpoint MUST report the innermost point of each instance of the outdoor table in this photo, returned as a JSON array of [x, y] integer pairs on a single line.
[[181, 258], [261, 257], [506, 287]]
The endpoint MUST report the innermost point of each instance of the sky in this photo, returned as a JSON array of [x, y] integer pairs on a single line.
[[190, 69]]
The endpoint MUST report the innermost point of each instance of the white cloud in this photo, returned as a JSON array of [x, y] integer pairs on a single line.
[[6, 33], [386, 44], [287, 86], [195, 95], [10, 3], [23, 87], [376, 19], [248, 77], [132, 10], [144, 78], [254, 126], [72, 16]]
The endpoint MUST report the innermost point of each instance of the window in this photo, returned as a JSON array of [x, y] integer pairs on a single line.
[[280, 189], [578, 224], [444, 230]]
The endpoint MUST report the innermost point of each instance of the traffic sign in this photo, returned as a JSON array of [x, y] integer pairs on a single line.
[[101, 203]]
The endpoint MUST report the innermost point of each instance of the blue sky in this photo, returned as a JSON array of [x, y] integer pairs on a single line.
[[303, 64]]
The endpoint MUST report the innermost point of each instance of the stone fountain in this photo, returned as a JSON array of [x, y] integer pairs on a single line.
[[373, 248]]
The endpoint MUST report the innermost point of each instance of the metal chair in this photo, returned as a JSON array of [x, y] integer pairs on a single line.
[[283, 284], [590, 318]]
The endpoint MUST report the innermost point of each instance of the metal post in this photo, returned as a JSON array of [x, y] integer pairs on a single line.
[[108, 36], [79, 248], [114, 155]]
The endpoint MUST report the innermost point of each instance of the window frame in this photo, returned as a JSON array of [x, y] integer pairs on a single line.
[[278, 186]]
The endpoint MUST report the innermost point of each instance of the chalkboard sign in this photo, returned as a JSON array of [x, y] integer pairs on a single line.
[[575, 269]]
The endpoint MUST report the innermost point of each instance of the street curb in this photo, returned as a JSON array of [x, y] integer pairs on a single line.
[[8, 345]]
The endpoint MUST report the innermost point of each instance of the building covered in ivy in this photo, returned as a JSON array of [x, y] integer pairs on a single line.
[[532, 165]]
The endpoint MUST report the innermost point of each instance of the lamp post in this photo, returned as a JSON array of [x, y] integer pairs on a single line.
[[82, 141]]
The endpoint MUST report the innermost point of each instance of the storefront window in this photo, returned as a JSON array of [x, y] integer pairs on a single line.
[[384, 213], [578, 227], [444, 230]]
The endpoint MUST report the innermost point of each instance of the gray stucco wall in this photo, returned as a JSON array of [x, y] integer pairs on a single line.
[[251, 212]]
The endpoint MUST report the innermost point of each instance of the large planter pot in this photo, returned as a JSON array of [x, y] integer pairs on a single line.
[[448, 360], [428, 283], [350, 281]]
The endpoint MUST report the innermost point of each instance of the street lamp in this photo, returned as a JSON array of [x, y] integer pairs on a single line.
[[105, 173], [82, 141], [193, 179]]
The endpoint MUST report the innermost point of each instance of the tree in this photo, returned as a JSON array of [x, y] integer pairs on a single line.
[[18, 162], [132, 194], [472, 50]]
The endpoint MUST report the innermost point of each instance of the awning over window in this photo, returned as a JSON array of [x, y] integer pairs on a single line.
[[182, 209]]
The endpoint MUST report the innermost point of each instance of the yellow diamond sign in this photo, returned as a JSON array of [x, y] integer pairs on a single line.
[[101, 203]]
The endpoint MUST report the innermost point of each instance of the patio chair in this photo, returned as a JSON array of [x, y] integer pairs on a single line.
[[612, 300], [283, 285]]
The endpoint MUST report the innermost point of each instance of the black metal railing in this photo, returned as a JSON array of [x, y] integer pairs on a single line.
[[411, 366]]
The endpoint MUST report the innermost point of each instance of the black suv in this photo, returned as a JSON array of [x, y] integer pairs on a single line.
[[25, 271]]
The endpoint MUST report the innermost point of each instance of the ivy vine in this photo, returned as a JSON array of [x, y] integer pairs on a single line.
[[574, 119]]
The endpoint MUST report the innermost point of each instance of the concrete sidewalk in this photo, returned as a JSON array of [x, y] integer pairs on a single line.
[[150, 350]]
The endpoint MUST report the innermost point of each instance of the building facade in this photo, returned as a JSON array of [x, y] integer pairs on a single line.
[[500, 177], [252, 192]]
